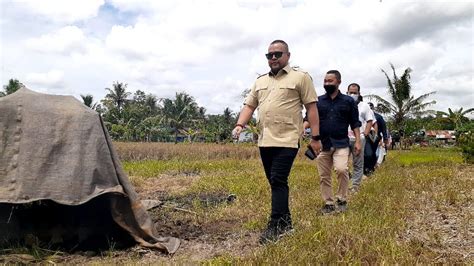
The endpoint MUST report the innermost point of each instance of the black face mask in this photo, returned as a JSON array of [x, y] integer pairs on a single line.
[[330, 88]]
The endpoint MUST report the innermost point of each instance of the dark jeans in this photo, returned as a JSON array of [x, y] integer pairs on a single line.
[[277, 162], [370, 157]]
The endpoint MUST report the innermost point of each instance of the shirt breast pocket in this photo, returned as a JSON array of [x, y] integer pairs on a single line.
[[262, 93], [288, 91], [343, 111]]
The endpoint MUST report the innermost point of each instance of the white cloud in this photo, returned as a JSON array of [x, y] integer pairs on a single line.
[[214, 49], [407, 22], [143, 5], [150, 6], [62, 10], [260, 4], [172, 76], [51, 79], [66, 40], [220, 93], [188, 34]]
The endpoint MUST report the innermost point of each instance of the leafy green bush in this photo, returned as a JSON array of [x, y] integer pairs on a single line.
[[465, 140]]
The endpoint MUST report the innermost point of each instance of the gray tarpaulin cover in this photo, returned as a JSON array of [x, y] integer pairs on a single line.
[[55, 148]]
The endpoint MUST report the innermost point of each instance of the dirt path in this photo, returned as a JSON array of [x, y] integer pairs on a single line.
[[201, 240]]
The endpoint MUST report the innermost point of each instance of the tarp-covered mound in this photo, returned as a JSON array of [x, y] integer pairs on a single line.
[[57, 160]]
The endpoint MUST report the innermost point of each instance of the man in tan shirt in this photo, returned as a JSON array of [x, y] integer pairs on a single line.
[[279, 97]]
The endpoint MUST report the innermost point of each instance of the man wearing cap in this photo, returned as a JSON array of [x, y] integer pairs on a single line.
[[279, 97]]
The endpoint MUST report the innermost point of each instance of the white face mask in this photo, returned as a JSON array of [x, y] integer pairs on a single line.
[[355, 97]]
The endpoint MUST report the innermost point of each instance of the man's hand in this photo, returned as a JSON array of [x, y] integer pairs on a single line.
[[304, 133], [236, 132], [316, 146], [357, 147], [305, 126]]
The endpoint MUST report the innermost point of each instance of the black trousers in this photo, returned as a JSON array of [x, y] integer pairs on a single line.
[[370, 156], [277, 162]]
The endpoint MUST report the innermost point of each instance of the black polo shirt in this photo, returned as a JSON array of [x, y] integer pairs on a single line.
[[335, 116]]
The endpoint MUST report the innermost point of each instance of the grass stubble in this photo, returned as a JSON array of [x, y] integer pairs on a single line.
[[417, 208]]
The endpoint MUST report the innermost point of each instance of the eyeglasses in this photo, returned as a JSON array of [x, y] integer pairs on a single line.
[[277, 55]]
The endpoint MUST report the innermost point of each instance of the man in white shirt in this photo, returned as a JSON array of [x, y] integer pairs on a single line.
[[366, 117]]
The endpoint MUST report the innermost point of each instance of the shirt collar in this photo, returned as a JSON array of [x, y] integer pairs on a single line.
[[286, 69], [337, 95]]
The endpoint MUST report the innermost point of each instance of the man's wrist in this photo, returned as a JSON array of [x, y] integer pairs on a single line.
[[240, 125], [316, 137]]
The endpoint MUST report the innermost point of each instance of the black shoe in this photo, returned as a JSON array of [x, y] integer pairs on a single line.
[[341, 205], [328, 209], [368, 171], [274, 232]]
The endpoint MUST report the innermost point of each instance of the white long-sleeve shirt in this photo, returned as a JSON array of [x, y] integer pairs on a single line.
[[365, 114]]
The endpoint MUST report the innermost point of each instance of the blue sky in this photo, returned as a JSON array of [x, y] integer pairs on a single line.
[[213, 49]]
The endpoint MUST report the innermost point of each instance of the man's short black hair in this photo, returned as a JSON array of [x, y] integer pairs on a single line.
[[354, 84], [335, 73], [282, 42]]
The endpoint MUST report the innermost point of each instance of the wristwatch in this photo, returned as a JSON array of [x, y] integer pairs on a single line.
[[317, 137]]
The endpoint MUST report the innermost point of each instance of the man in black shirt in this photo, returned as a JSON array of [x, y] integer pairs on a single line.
[[336, 113]]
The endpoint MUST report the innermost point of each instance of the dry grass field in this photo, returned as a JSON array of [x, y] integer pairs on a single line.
[[417, 208]]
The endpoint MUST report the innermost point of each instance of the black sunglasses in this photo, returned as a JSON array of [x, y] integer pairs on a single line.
[[277, 55]]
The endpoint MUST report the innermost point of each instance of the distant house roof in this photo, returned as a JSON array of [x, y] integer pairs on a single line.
[[441, 134]]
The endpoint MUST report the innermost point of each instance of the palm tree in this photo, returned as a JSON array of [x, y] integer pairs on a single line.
[[180, 112], [89, 101], [229, 121], [457, 117], [151, 103], [152, 126], [12, 86], [228, 117], [402, 104], [118, 95]]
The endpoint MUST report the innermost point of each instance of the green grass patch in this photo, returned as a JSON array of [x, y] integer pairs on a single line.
[[371, 231], [367, 233], [428, 156]]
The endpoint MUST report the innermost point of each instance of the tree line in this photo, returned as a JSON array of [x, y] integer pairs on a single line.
[[144, 117], [409, 113]]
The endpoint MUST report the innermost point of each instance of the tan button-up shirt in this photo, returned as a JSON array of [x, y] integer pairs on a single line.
[[279, 100]]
